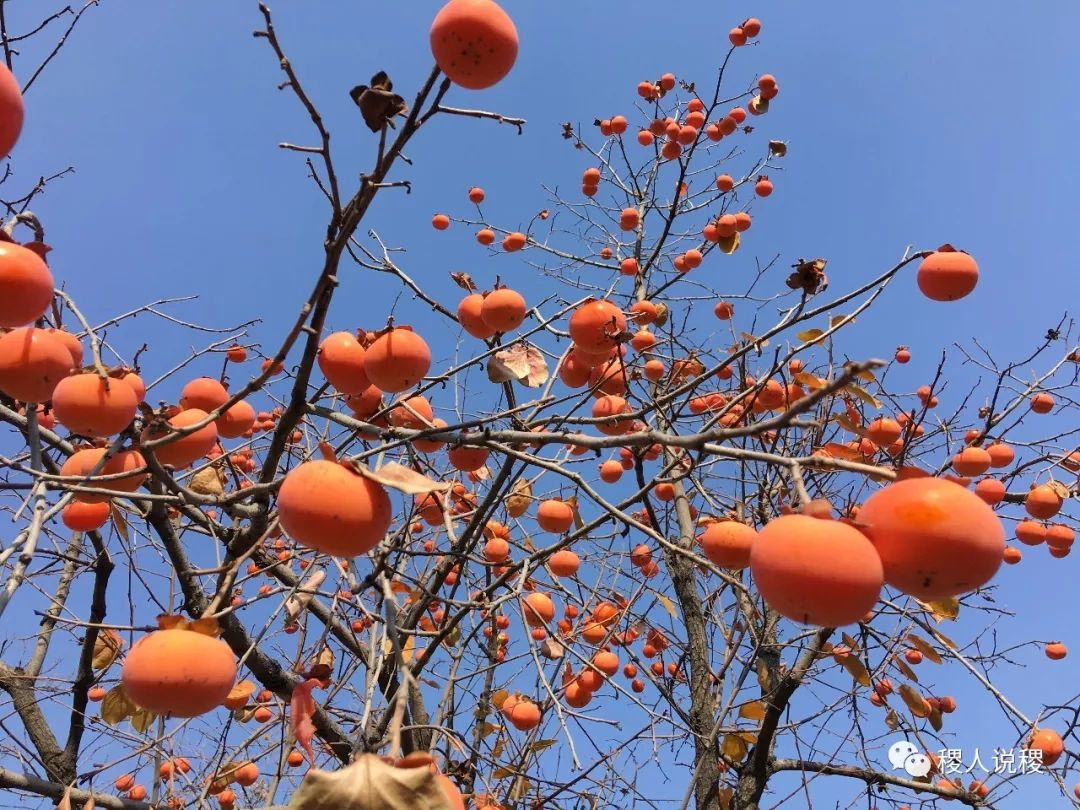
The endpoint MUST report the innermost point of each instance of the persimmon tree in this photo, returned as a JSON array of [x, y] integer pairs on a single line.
[[662, 536]]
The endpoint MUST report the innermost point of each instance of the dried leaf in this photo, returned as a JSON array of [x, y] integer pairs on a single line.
[[944, 639], [924, 646], [667, 604], [539, 745], [497, 749], [918, 705], [754, 710], [408, 648], [847, 423], [517, 502], [502, 773], [1059, 489], [855, 667], [116, 705], [464, 280], [141, 719], [107, 647], [863, 395], [499, 698], [841, 451], [810, 335], [907, 671], [809, 276], [370, 784], [941, 609], [403, 479], [301, 710], [297, 603], [724, 796], [662, 313], [778, 148], [734, 747], [892, 719], [728, 244], [851, 642], [551, 649], [811, 381], [377, 104], [520, 362], [935, 719], [208, 481], [486, 729], [119, 522], [836, 320], [572, 502]]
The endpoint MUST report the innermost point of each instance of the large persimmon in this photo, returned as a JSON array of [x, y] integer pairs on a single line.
[[474, 43], [189, 447], [397, 360], [341, 360], [539, 609], [814, 571], [594, 324], [32, 362], [236, 421], [80, 516], [727, 543], [81, 462], [554, 515], [179, 672], [947, 274], [936, 538], [90, 406], [332, 509], [204, 393], [11, 111], [25, 280], [471, 318], [503, 310]]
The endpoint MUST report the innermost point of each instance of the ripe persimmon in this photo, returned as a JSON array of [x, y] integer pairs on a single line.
[[329, 508], [816, 571], [971, 461], [32, 362], [609, 406], [514, 241], [24, 276], [763, 187], [87, 405], [564, 563], [725, 183], [1055, 651], [594, 324], [539, 609], [1042, 403], [554, 515], [936, 538], [440, 222], [236, 421], [902, 355], [188, 448], [1048, 742], [1030, 533], [469, 315], [397, 360], [1043, 502], [81, 462], [752, 27], [727, 543], [523, 714], [179, 672], [991, 490], [341, 360], [80, 516], [204, 393], [947, 274], [468, 458], [503, 310]]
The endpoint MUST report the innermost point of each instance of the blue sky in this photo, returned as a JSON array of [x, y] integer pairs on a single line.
[[915, 123]]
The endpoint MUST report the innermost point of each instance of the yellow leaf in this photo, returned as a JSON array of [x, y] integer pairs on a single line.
[[866, 374], [924, 646], [497, 750], [847, 423], [487, 729], [208, 627], [517, 502], [729, 244], [667, 604], [907, 671], [239, 694], [141, 720], [918, 705], [107, 646], [754, 710], [501, 773], [540, 745], [837, 319], [944, 639], [942, 608], [810, 335], [520, 789], [861, 393], [854, 665], [407, 649], [811, 381], [499, 698], [734, 747], [116, 705]]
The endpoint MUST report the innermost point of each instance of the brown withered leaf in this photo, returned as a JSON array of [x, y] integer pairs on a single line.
[[543, 214], [778, 148], [551, 649], [925, 647], [238, 696], [107, 647], [567, 130], [141, 719], [403, 479], [662, 314], [378, 105], [116, 705], [841, 451], [517, 502], [856, 669], [208, 481], [298, 602], [892, 719], [734, 747], [809, 276], [907, 671], [918, 705], [520, 362], [729, 244], [370, 784], [463, 280], [119, 521]]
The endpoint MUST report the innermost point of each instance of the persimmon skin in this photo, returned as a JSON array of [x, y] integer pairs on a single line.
[[503, 310], [817, 572], [341, 360], [474, 43], [397, 360], [236, 421], [188, 449], [947, 275], [555, 516], [12, 111], [593, 323], [329, 508], [82, 461], [32, 362], [179, 672], [204, 393], [80, 516], [727, 543], [936, 539], [471, 318], [26, 282], [87, 405]]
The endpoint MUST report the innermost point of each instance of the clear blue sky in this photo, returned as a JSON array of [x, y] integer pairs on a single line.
[[908, 123]]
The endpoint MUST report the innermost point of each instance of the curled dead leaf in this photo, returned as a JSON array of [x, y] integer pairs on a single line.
[[370, 784], [297, 603], [107, 647], [402, 479], [520, 362], [208, 481]]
